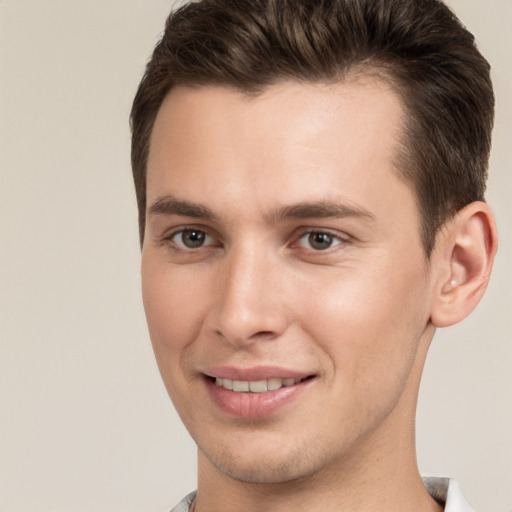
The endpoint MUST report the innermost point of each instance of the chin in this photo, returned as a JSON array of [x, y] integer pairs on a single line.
[[261, 473], [273, 467]]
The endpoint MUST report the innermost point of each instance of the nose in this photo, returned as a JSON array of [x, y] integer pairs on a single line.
[[250, 302]]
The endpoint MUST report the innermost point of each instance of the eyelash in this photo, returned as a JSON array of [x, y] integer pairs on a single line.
[[335, 239], [170, 238], [312, 232]]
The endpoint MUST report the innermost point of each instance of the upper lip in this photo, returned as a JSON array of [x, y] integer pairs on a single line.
[[254, 373]]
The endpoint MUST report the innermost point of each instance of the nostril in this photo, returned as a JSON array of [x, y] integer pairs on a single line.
[[257, 336], [263, 334]]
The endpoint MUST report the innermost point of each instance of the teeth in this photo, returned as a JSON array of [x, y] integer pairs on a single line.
[[241, 386], [273, 384], [258, 386], [255, 386]]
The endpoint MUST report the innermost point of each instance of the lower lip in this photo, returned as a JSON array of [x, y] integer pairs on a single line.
[[254, 405]]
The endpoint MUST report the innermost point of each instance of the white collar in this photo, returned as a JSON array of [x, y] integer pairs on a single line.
[[447, 491]]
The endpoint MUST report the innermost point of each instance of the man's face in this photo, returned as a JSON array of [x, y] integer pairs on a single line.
[[283, 253]]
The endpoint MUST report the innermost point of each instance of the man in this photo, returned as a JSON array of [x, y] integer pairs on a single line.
[[310, 179]]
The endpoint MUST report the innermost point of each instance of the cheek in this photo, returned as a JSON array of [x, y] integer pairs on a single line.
[[368, 323], [172, 303]]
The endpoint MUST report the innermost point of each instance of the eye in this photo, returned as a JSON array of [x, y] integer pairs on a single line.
[[191, 238], [319, 240]]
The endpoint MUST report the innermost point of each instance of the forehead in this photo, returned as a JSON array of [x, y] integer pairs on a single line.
[[292, 142]]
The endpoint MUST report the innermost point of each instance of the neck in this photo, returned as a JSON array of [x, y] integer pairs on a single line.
[[363, 495], [378, 474]]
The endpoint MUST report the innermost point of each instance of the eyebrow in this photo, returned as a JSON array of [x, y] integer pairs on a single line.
[[319, 210], [170, 205]]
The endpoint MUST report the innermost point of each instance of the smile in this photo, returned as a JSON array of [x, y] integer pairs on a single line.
[[258, 397], [255, 386]]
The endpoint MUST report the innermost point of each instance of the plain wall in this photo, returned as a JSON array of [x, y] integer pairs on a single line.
[[85, 423]]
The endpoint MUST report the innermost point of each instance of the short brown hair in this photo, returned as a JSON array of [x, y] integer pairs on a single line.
[[419, 46]]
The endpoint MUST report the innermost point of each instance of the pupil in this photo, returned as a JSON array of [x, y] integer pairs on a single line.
[[193, 238], [320, 240]]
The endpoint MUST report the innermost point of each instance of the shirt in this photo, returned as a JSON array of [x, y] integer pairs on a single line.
[[443, 490]]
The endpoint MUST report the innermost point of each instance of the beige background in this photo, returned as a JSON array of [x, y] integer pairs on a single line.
[[85, 424]]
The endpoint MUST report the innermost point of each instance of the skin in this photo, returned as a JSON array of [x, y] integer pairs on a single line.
[[355, 313]]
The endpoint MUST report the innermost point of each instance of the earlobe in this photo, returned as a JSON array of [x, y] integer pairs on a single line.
[[465, 253]]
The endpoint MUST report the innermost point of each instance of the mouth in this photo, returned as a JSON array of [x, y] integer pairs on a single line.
[[257, 386], [255, 392]]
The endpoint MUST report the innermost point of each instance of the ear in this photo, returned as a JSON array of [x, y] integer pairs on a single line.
[[464, 254]]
